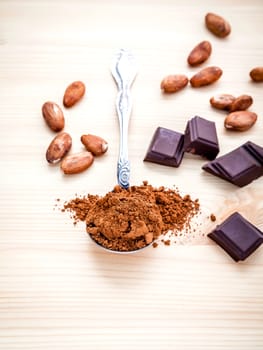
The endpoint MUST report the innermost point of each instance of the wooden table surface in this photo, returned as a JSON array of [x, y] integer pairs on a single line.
[[57, 289]]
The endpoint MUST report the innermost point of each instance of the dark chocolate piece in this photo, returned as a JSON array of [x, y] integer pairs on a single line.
[[201, 138], [240, 166], [166, 147], [237, 236]]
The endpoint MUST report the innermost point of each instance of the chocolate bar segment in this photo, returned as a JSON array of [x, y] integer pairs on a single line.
[[240, 166], [166, 147], [237, 236], [201, 138]]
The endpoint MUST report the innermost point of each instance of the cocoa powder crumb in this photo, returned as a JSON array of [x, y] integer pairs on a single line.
[[213, 217], [126, 220]]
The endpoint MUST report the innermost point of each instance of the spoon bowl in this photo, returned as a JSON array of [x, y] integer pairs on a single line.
[[118, 251]]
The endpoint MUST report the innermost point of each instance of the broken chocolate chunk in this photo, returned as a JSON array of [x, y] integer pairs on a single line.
[[237, 236], [240, 166], [166, 147], [201, 138]]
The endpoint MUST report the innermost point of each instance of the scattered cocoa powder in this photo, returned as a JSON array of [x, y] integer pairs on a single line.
[[126, 220]]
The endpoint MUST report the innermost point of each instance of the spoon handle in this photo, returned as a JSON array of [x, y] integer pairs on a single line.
[[123, 106], [124, 70]]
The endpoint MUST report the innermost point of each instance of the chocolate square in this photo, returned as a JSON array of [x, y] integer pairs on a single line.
[[240, 166], [201, 138], [237, 236], [166, 147]]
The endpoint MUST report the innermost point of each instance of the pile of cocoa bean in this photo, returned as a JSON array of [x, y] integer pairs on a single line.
[[57, 151], [239, 118]]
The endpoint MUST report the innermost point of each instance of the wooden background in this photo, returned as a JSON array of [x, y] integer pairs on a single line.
[[58, 290]]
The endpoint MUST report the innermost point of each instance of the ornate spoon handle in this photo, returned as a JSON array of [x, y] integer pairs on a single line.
[[124, 71], [123, 105]]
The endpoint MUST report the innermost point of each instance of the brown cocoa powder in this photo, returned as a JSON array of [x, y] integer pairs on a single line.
[[126, 220], [213, 217]]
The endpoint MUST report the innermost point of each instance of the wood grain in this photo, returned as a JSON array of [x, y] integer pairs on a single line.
[[58, 290]]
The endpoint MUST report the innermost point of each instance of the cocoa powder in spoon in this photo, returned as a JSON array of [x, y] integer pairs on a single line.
[[126, 220]]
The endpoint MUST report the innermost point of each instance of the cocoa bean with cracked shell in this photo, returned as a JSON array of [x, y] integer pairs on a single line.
[[240, 120], [222, 101], [95, 144], [58, 148], [53, 116]]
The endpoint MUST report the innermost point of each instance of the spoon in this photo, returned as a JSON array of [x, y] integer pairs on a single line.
[[124, 69]]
